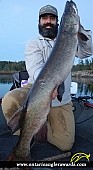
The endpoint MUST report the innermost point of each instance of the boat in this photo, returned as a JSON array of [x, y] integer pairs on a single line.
[[83, 146]]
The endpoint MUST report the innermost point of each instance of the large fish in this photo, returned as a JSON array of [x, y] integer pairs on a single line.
[[51, 76]]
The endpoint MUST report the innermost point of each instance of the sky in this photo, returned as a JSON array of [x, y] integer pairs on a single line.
[[19, 23]]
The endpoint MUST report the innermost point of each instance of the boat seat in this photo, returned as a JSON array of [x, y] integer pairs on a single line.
[[19, 78]]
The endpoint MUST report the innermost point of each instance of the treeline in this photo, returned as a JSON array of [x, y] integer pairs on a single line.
[[86, 64], [9, 66], [12, 66]]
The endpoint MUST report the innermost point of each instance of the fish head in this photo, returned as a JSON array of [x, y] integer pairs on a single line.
[[71, 7], [70, 19]]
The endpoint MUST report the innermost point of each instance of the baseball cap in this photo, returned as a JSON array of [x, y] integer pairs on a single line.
[[48, 9]]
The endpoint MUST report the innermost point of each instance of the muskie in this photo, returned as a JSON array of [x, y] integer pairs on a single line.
[[54, 72]]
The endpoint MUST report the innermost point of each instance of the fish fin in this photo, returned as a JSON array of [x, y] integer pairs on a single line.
[[41, 135], [60, 90], [14, 123], [59, 97], [13, 157]]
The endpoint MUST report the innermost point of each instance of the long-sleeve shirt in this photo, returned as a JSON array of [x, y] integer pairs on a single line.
[[37, 52]]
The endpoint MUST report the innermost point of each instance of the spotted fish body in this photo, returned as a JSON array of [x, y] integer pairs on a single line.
[[54, 72]]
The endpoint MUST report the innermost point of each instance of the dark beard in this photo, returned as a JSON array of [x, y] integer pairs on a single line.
[[48, 32]]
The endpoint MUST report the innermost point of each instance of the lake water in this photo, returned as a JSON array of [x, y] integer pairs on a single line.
[[80, 86], [5, 84], [84, 87]]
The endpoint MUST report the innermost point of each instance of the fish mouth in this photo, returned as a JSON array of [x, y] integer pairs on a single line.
[[71, 7]]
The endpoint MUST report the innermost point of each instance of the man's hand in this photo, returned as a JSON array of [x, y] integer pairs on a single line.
[[54, 94]]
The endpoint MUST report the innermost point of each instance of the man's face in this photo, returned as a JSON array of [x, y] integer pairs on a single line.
[[48, 26]]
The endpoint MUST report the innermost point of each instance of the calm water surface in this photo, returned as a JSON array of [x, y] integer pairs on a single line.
[[80, 86], [5, 84], [84, 87]]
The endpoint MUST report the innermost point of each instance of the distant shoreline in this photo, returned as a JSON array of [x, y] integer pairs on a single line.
[[7, 72], [83, 74]]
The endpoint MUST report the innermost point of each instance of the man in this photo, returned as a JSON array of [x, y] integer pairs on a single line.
[[60, 122]]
